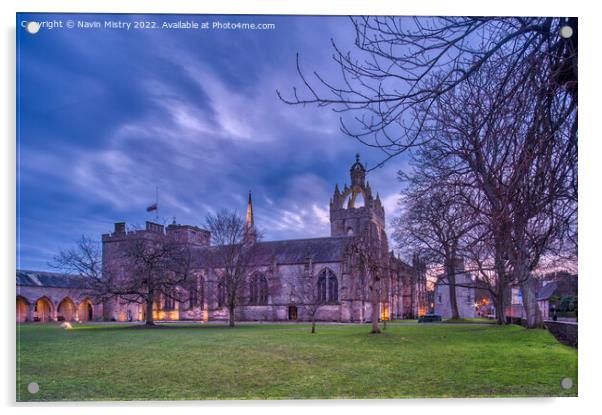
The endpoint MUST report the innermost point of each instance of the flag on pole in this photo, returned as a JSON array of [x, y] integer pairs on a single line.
[[155, 206]]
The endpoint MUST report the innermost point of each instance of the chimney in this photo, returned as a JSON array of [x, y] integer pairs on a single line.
[[154, 227], [119, 228]]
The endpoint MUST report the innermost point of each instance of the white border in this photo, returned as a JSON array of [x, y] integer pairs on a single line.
[[589, 214]]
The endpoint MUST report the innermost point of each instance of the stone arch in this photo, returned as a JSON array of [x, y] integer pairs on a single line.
[[66, 310], [43, 310], [354, 197], [22, 309], [86, 310]]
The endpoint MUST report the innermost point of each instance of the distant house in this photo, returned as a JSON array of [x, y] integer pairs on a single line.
[[566, 283], [543, 298], [484, 306], [430, 299], [557, 284], [514, 303], [465, 293]]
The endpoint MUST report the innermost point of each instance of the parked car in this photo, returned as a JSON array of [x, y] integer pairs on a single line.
[[429, 318]]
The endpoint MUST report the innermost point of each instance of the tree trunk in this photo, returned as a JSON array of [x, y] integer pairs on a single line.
[[375, 310], [500, 270], [528, 289], [453, 300], [313, 325], [499, 307], [231, 316], [149, 310]]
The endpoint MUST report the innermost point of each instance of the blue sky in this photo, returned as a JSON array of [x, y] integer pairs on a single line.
[[104, 116]]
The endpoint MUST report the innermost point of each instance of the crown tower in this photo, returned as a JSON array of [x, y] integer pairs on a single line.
[[348, 216]]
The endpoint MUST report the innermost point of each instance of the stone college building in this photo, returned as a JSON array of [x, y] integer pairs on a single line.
[[273, 286]]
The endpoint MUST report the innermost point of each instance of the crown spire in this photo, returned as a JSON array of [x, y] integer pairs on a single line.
[[358, 172]]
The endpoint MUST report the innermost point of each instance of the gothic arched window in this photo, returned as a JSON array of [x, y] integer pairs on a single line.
[[328, 287], [169, 303], [193, 296], [202, 293], [258, 290], [221, 294]]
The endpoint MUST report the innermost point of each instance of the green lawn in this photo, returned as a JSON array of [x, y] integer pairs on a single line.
[[120, 362], [479, 320]]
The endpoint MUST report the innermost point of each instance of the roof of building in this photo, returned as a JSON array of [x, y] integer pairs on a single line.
[[49, 279], [291, 251], [298, 250], [547, 291]]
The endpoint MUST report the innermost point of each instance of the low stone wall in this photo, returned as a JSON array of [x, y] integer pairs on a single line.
[[564, 331]]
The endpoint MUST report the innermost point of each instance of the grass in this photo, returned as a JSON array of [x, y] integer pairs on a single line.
[[479, 320], [281, 361]]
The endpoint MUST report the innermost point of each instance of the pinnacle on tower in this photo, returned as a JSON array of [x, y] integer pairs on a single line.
[[357, 172], [249, 222], [250, 235]]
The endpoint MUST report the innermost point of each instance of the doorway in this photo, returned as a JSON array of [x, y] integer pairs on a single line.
[[292, 312], [86, 312]]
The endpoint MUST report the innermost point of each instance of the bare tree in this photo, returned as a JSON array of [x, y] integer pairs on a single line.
[[159, 267], [150, 266], [85, 260], [490, 104], [234, 252], [400, 64], [307, 290], [515, 166], [434, 224], [369, 255]]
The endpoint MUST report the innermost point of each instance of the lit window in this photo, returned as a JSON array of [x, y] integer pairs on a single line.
[[170, 301]]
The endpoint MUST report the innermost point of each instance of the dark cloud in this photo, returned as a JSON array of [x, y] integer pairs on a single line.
[[105, 116]]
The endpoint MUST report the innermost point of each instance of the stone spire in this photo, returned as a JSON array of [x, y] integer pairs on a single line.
[[249, 217], [250, 235]]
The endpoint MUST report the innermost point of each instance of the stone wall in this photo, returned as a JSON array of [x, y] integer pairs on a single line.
[[564, 331]]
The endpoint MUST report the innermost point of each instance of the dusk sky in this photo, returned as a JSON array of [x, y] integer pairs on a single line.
[[106, 115]]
